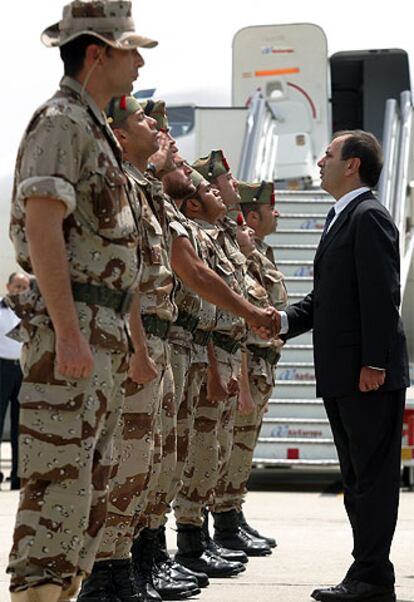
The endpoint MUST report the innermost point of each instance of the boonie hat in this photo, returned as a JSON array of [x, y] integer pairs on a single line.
[[109, 20]]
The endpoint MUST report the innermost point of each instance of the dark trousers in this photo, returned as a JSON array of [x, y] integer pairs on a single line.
[[10, 382], [367, 429]]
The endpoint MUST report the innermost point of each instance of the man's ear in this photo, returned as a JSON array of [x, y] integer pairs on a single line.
[[353, 165], [252, 219], [93, 54], [194, 205]]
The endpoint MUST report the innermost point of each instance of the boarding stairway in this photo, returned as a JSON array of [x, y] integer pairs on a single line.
[[295, 429]]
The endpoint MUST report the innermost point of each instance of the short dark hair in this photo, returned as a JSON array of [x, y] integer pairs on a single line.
[[364, 146], [249, 207], [73, 53], [11, 277]]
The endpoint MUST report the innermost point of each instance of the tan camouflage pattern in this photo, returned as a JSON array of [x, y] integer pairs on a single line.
[[273, 279], [226, 322], [109, 20], [69, 154], [264, 283], [137, 442], [210, 448], [232, 486], [165, 482], [157, 281], [65, 452]]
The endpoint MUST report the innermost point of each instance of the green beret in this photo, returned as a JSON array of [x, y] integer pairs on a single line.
[[212, 166], [156, 109], [121, 108], [257, 192]]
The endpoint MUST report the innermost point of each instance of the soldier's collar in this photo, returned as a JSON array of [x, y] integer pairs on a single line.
[[136, 174], [72, 84]]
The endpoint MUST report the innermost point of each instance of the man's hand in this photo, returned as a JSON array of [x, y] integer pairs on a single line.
[[233, 387], [370, 379], [246, 404], [216, 388], [266, 323], [142, 369], [163, 158], [74, 357]]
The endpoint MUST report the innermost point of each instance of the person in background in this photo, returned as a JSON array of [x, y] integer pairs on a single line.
[[10, 371]]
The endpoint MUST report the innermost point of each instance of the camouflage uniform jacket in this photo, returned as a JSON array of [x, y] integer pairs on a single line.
[[69, 153], [227, 233], [226, 322], [273, 280], [258, 296], [157, 282]]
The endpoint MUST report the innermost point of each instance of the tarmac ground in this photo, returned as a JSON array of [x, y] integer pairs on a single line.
[[304, 512]]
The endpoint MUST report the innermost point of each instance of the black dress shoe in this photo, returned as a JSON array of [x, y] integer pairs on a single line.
[[351, 590], [211, 565], [202, 578]]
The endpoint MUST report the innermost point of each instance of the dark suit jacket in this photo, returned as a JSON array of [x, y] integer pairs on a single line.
[[353, 308]]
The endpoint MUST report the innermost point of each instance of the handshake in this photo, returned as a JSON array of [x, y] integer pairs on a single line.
[[265, 322]]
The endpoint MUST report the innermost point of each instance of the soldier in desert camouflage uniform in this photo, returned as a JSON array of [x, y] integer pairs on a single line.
[[147, 438], [215, 168], [73, 226], [265, 286]]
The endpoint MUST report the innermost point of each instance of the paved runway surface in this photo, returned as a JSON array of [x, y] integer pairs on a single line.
[[305, 513]]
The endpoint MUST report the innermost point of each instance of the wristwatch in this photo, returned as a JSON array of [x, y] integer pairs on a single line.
[[151, 168]]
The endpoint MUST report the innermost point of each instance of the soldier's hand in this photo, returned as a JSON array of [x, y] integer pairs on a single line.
[[163, 158], [266, 323], [233, 387], [74, 358], [216, 389], [142, 369], [246, 404]]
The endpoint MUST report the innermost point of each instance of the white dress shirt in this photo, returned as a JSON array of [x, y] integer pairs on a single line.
[[9, 349]]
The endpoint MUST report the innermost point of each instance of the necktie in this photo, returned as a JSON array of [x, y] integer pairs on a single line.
[[329, 218]]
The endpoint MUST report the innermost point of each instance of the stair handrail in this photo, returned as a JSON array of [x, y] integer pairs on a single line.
[[391, 136]]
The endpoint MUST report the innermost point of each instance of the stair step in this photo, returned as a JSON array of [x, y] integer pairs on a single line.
[[302, 221], [295, 267], [302, 339], [287, 389], [295, 236], [294, 251], [295, 373], [296, 428], [297, 353], [296, 408], [298, 284]]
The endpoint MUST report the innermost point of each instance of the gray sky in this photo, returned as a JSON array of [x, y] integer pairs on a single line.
[[193, 58]]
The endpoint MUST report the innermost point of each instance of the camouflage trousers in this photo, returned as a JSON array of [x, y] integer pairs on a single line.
[[139, 444], [65, 451], [164, 481], [232, 487], [210, 448]]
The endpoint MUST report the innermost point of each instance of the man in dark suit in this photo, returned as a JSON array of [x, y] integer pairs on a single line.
[[361, 362]]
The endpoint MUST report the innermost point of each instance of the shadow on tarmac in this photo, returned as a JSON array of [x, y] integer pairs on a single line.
[[326, 482]]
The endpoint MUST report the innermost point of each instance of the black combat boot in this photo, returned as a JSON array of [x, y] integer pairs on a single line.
[[110, 581], [192, 553], [163, 584], [176, 570], [243, 524], [143, 562], [214, 548], [228, 534], [167, 581]]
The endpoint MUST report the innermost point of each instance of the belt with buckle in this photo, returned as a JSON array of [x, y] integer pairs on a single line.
[[269, 354], [154, 325], [187, 321], [92, 294], [202, 337], [225, 342]]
